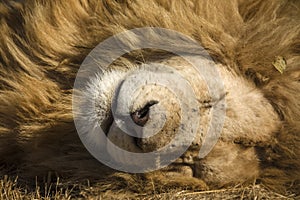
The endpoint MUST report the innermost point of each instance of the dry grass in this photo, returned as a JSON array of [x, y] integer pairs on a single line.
[[13, 190]]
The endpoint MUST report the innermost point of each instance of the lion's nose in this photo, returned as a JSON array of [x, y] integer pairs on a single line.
[[141, 116]]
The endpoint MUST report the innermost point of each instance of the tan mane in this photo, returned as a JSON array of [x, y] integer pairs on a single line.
[[42, 44]]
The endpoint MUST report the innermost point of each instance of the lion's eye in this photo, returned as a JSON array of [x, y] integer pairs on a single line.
[[141, 116]]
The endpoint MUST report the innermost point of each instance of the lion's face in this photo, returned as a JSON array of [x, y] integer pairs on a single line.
[[156, 114]]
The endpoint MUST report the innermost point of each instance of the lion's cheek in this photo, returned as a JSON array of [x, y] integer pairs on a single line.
[[228, 163], [118, 140]]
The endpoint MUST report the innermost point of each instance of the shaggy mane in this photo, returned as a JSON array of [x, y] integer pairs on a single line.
[[42, 44]]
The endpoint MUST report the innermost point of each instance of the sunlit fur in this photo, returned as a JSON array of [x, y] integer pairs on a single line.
[[42, 44]]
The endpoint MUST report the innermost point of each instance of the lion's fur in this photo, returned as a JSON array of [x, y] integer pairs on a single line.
[[42, 44]]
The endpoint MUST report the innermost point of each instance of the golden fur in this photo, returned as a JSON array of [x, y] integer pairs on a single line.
[[42, 44]]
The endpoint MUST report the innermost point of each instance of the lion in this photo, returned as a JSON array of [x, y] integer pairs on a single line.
[[255, 46]]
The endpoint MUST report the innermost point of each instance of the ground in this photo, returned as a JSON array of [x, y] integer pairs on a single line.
[[10, 190]]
